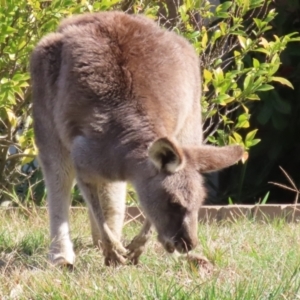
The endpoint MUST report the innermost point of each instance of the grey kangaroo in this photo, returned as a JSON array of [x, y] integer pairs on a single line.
[[116, 99]]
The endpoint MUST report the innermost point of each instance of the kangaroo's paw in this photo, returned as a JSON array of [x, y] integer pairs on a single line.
[[62, 254], [115, 255], [136, 248]]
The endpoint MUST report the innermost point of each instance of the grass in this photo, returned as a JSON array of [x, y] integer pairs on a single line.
[[252, 260]]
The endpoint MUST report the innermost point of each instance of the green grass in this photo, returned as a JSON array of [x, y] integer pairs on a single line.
[[252, 260]]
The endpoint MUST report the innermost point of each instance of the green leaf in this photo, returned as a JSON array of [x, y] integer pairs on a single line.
[[212, 139], [217, 33], [258, 22], [246, 110], [274, 68], [223, 27], [250, 135], [204, 40], [244, 117], [8, 29], [11, 117], [231, 141], [219, 75], [248, 82], [255, 142], [245, 7], [262, 50], [265, 87], [221, 99], [237, 137], [27, 159], [264, 43], [243, 124], [212, 113], [256, 63], [224, 6], [21, 77], [282, 81], [297, 39], [271, 15], [242, 41], [12, 56], [253, 97], [252, 143], [207, 75], [243, 121], [4, 80], [265, 199], [275, 59]]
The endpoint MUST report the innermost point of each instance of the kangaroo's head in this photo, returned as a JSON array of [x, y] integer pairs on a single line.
[[173, 194]]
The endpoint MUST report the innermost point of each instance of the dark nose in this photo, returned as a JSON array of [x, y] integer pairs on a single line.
[[184, 243]]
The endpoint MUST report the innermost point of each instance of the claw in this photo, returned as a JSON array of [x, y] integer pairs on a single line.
[[138, 244], [114, 259], [135, 249]]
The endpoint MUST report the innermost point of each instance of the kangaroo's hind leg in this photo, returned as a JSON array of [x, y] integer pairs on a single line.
[[54, 157], [58, 173]]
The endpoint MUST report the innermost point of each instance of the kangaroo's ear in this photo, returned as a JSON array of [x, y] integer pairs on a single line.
[[166, 156], [210, 158]]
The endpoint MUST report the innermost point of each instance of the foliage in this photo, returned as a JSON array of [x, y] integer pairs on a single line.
[[239, 63], [276, 117], [23, 23]]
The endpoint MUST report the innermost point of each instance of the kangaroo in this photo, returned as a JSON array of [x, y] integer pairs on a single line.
[[116, 99]]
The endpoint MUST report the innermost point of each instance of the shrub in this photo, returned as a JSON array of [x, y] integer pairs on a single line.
[[239, 63], [23, 23]]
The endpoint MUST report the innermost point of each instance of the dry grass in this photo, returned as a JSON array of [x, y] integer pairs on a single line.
[[252, 260]]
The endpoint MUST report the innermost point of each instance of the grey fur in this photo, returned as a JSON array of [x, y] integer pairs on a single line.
[[116, 99]]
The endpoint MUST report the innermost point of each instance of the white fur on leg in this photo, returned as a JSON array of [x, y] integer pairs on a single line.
[[61, 249], [61, 252], [59, 180]]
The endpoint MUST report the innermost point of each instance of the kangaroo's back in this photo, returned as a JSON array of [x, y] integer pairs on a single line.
[[97, 62]]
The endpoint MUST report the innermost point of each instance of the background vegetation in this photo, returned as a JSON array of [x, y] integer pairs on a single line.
[[249, 57]]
